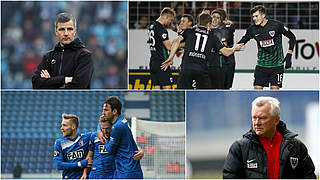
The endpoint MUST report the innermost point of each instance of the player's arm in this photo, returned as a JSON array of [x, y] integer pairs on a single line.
[[87, 169], [83, 72], [248, 35], [100, 135], [224, 50], [174, 48], [292, 41], [167, 44], [60, 164], [41, 78], [115, 135]]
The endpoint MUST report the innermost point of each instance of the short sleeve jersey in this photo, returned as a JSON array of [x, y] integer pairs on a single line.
[[200, 43], [269, 42], [157, 34], [71, 151], [103, 161]]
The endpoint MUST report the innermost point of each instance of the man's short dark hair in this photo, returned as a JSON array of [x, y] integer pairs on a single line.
[[189, 17], [73, 118], [168, 10], [204, 19], [221, 12], [260, 8], [114, 103], [65, 17], [206, 9]]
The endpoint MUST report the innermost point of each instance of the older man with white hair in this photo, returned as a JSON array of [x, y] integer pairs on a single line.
[[269, 149]]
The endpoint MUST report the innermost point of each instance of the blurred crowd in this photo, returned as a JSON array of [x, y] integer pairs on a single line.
[[27, 33], [302, 15]]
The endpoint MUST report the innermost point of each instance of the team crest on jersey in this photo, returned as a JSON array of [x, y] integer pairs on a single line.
[[164, 35], [272, 33], [267, 43], [56, 153], [81, 143], [102, 149], [75, 154], [293, 162]]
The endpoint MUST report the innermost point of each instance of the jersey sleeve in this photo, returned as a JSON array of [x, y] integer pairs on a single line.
[[286, 32], [114, 141], [247, 36], [58, 158], [163, 34]]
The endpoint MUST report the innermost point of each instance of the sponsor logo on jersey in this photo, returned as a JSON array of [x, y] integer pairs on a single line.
[[56, 153], [164, 36], [102, 149], [272, 33], [251, 164], [75, 154], [267, 43], [293, 162], [256, 35], [151, 26]]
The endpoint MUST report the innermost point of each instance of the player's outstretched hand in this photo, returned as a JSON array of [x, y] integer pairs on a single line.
[[239, 47], [288, 61], [138, 155], [164, 66]]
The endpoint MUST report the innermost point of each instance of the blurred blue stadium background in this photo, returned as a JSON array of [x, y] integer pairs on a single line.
[[30, 121], [215, 119], [28, 33]]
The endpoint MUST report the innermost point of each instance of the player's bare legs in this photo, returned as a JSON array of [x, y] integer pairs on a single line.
[[166, 87], [274, 87], [257, 87]]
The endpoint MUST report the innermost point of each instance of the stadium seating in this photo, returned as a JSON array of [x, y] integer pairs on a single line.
[[167, 106]]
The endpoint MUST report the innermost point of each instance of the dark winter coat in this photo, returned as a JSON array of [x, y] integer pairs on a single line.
[[294, 159], [72, 60]]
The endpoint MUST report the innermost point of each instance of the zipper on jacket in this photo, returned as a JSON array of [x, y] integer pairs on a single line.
[[60, 68]]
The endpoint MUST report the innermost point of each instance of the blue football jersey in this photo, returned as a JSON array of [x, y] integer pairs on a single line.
[[103, 162], [68, 154], [122, 145]]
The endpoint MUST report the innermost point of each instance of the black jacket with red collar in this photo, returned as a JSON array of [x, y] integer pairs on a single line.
[[248, 159], [72, 60]]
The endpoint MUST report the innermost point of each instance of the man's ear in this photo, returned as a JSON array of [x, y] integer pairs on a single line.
[[115, 111]]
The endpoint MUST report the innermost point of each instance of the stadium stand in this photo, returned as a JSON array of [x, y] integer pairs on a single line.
[[30, 121], [296, 15], [28, 33]]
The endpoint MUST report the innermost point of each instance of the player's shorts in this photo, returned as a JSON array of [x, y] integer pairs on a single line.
[[160, 77], [264, 76], [99, 175], [217, 77], [187, 75], [130, 175]]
